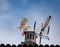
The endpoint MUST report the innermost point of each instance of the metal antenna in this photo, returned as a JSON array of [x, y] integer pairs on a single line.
[[40, 37], [41, 33], [48, 30], [34, 26]]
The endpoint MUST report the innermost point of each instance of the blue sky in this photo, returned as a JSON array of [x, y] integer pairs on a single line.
[[12, 12]]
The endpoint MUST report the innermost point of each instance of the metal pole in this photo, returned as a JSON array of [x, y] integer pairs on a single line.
[[41, 33], [40, 37], [34, 26]]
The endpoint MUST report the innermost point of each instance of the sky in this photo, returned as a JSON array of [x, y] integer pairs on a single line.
[[12, 12]]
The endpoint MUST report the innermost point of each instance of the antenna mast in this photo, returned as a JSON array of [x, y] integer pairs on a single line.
[[34, 25], [43, 27], [41, 34]]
